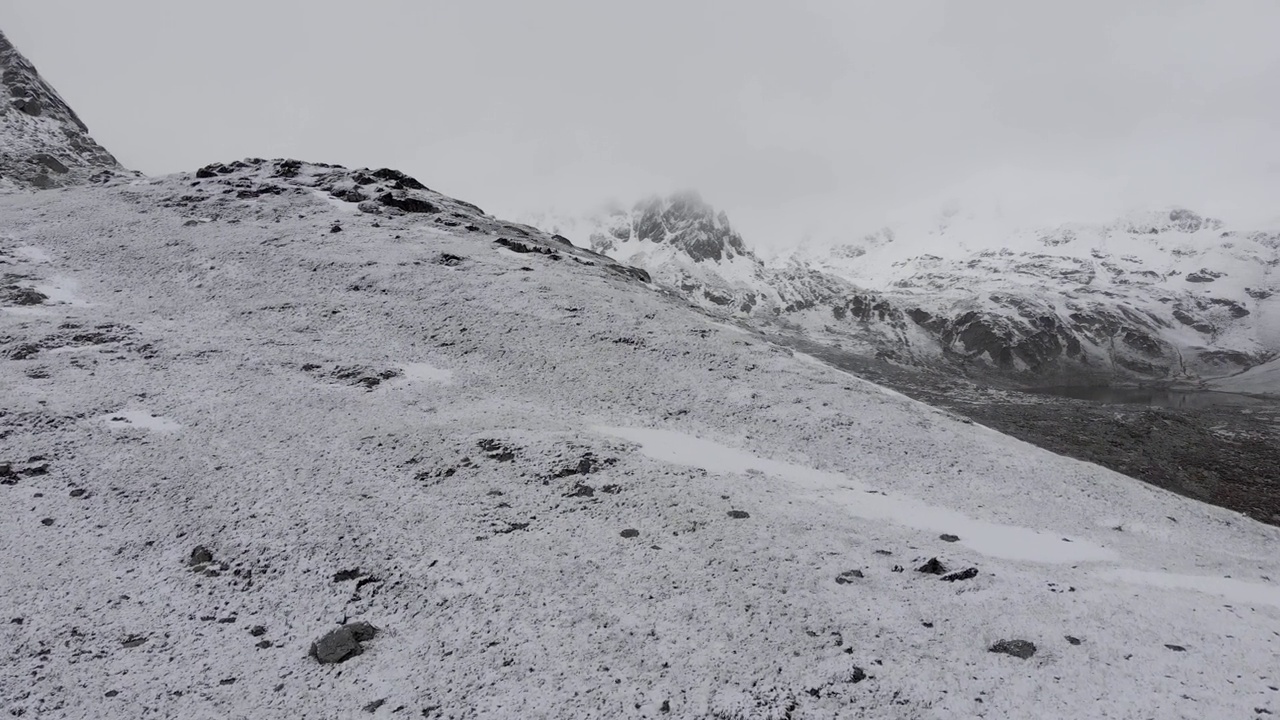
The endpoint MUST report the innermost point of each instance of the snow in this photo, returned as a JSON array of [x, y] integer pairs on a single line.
[[482, 494], [140, 420], [427, 373], [991, 539]]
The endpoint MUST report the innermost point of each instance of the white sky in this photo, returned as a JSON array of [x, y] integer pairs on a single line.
[[794, 117]]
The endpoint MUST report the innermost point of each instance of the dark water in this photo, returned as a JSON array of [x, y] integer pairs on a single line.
[[1154, 397]]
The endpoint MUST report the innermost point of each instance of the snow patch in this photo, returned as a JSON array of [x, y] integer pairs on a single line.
[[427, 373], [32, 254], [1008, 542], [341, 205], [1228, 588], [140, 420]]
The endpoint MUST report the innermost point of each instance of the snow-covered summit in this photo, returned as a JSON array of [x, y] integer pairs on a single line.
[[43, 143]]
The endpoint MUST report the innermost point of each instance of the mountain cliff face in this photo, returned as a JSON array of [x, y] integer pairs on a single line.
[[43, 143], [1168, 296]]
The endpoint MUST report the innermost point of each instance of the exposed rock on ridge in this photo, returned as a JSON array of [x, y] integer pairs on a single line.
[[43, 143]]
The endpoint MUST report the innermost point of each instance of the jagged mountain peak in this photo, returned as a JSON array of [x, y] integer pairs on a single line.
[[43, 143]]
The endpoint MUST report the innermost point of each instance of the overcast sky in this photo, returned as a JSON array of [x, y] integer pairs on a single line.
[[792, 116]]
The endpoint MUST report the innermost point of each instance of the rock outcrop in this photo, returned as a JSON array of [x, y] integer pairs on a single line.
[[43, 143]]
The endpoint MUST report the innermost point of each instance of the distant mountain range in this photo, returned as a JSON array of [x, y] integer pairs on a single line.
[[1167, 295]]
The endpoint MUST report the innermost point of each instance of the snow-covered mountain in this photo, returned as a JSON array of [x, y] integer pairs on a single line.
[[247, 405], [43, 143], [1167, 295], [283, 439]]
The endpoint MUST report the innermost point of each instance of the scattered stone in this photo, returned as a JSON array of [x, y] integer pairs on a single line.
[[1017, 648], [857, 675], [1073, 640], [883, 552], [46, 522], [258, 630], [17, 621], [373, 706], [933, 567], [630, 533], [346, 575], [739, 514], [263, 644], [848, 576], [666, 706], [200, 556], [111, 693], [962, 575], [898, 568], [335, 229], [1175, 648], [581, 490], [227, 681], [133, 641], [78, 492], [948, 537]]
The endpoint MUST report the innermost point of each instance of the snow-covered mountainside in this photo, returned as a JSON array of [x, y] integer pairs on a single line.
[[245, 406], [1160, 296], [43, 143]]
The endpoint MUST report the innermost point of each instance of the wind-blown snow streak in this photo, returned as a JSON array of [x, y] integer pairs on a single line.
[[991, 539]]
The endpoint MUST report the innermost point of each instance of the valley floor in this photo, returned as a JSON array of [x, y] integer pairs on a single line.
[[1226, 454]]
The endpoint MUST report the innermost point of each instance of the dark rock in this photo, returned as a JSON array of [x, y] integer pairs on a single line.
[[407, 203], [200, 555], [448, 260], [666, 706], [78, 492], [739, 514], [848, 576], [15, 295], [400, 179], [373, 706], [933, 567], [630, 533], [962, 575], [342, 643], [111, 693], [336, 228], [46, 522], [133, 641], [946, 537], [883, 552], [857, 675], [1073, 640], [1176, 648], [1017, 648], [346, 575], [258, 630], [227, 681], [263, 644]]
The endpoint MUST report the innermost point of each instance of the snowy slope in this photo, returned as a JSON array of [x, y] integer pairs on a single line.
[[557, 492], [42, 142]]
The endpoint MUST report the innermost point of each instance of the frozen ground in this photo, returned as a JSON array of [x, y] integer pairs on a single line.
[[557, 492]]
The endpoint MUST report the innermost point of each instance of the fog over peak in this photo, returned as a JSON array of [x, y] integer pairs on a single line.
[[805, 119]]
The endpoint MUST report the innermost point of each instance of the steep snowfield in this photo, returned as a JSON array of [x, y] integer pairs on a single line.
[[562, 494]]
